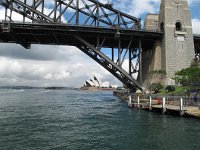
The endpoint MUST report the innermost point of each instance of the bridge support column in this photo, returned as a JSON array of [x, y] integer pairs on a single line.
[[119, 53], [140, 62], [163, 105], [177, 44]]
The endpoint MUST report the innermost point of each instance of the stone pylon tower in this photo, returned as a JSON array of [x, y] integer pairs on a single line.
[[177, 47]]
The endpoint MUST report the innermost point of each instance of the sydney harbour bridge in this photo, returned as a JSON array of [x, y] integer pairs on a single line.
[[105, 34]]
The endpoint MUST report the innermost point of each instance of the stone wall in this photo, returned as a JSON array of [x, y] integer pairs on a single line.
[[176, 50], [178, 44]]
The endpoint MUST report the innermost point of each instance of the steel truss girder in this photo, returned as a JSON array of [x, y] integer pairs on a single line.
[[77, 12], [115, 68]]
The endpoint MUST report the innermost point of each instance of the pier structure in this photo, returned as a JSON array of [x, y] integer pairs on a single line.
[[192, 111], [161, 106]]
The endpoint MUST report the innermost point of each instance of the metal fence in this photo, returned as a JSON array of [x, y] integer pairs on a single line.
[[188, 99]]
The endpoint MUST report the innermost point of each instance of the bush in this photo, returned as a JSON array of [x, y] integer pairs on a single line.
[[170, 88], [156, 87]]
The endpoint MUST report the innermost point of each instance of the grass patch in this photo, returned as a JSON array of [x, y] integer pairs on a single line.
[[179, 90]]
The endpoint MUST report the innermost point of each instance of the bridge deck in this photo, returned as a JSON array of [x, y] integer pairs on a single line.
[[63, 35]]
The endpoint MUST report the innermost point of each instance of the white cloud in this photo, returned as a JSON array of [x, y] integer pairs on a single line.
[[137, 7], [17, 17], [104, 1], [193, 1], [143, 6], [195, 26], [72, 70]]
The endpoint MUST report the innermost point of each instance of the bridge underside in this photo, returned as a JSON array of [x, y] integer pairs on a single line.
[[109, 47], [51, 34]]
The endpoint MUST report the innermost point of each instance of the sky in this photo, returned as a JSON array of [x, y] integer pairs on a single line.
[[46, 65]]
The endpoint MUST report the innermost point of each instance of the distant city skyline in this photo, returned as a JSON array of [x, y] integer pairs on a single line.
[[46, 65]]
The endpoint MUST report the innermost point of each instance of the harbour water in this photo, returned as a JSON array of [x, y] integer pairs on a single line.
[[34, 119]]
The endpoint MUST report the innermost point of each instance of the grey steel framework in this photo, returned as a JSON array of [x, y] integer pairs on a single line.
[[112, 38], [79, 12]]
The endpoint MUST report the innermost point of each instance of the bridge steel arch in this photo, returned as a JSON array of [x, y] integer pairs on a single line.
[[108, 36]]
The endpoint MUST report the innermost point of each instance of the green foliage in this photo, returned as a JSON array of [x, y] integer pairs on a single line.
[[179, 90], [189, 77], [170, 88], [156, 87]]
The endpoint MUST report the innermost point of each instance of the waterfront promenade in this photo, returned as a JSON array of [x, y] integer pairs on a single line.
[[178, 106], [192, 111]]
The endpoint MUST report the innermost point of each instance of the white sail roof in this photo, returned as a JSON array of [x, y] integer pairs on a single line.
[[98, 81], [89, 83]]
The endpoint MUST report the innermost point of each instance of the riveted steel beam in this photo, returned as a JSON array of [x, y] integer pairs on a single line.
[[108, 64]]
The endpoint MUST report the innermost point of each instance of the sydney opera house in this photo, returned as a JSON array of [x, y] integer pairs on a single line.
[[93, 83], [96, 84]]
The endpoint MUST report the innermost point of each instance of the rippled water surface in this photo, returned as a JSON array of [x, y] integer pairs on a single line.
[[76, 120]]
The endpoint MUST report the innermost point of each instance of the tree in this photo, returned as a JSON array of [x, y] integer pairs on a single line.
[[156, 87], [189, 77], [170, 88]]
